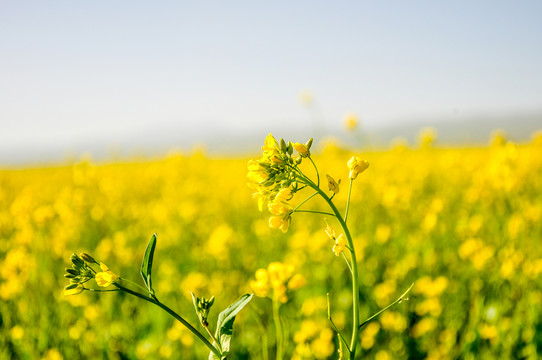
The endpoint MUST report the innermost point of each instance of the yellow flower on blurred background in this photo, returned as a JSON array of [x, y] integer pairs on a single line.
[[340, 245], [302, 149], [274, 281], [351, 121], [106, 278], [356, 166], [332, 185]]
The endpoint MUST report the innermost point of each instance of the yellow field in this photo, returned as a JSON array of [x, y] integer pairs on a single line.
[[464, 224]]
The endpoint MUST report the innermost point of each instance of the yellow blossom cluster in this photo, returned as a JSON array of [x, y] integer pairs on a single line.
[[276, 280]]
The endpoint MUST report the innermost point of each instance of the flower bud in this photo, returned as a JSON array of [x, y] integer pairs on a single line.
[[89, 259], [73, 289], [77, 261], [302, 150]]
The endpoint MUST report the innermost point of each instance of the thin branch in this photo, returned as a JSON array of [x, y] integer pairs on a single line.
[[401, 298]]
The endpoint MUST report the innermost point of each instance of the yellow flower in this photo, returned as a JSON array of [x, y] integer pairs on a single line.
[[332, 184], [302, 149], [282, 212], [283, 195], [296, 282], [340, 245], [271, 145], [281, 222], [306, 97], [279, 208], [350, 121], [356, 166], [106, 278], [73, 290]]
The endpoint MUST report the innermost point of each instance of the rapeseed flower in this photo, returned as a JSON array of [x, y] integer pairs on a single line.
[[340, 245], [356, 166], [332, 184]]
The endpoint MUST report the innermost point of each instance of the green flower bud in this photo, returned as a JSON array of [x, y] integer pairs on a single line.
[[77, 261], [283, 145], [89, 259], [203, 307]]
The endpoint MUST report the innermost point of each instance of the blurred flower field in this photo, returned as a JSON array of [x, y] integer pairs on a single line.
[[463, 224]]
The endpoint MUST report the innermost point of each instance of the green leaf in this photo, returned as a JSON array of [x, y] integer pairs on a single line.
[[146, 266], [212, 356], [224, 327]]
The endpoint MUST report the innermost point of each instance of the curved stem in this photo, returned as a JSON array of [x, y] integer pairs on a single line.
[[348, 201], [354, 265], [278, 327], [175, 315]]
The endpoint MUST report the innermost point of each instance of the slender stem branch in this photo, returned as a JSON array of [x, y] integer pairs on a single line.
[[401, 298], [175, 315], [348, 201], [347, 262], [206, 327], [314, 212], [334, 326], [278, 327], [317, 173], [136, 284], [304, 201], [101, 290]]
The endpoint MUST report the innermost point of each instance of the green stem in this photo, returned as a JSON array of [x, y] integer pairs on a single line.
[[206, 327], [304, 201], [348, 201], [347, 262], [175, 315], [135, 284], [401, 298], [314, 212], [341, 338], [353, 263], [100, 290], [317, 173], [278, 327]]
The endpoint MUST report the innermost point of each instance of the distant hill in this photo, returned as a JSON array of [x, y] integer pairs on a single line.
[[161, 139]]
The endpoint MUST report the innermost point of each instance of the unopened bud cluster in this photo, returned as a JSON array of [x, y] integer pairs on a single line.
[[203, 307]]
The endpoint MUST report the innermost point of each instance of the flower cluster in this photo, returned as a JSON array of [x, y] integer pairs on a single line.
[[81, 272], [275, 179], [274, 281]]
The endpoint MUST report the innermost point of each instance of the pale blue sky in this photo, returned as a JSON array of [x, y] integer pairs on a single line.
[[78, 71]]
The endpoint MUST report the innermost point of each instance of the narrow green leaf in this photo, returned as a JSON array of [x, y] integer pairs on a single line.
[[224, 328], [146, 266]]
